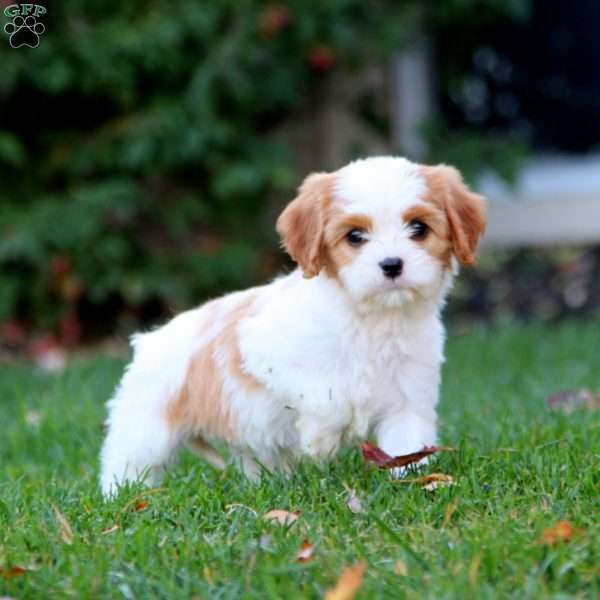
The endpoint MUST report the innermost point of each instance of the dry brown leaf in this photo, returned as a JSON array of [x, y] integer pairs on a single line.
[[11, 572], [306, 552], [450, 510], [563, 531], [282, 517], [110, 529], [208, 575], [348, 584], [567, 401], [354, 503], [383, 460], [66, 533], [436, 480], [48, 354], [400, 568], [137, 500], [142, 505], [430, 482], [474, 569]]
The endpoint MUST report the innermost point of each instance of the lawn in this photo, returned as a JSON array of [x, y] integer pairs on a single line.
[[519, 468]]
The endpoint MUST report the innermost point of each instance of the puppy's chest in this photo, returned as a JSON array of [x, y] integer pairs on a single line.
[[341, 378], [374, 369], [386, 357]]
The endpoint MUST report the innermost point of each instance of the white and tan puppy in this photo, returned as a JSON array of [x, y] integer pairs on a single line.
[[349, 343]]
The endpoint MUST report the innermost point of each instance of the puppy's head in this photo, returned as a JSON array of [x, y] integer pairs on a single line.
[[387, 229]]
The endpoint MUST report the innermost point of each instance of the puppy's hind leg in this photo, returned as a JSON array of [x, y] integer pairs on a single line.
[[140, 443], [204, 450]]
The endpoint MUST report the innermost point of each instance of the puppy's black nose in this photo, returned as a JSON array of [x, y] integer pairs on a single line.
[[391, 267]]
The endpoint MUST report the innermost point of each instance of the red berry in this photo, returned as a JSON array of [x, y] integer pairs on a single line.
[[274, 18], [321, 58], [60, 265]]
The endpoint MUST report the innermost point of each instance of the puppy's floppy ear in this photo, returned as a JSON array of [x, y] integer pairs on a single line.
[[302, 222], [465, 210]]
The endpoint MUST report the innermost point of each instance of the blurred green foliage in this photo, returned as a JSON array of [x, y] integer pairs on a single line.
[[140, 145]]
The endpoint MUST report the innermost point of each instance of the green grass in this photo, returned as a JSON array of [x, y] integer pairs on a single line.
[[520, 469]]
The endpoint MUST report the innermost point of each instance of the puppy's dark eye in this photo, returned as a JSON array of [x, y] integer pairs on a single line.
[[418, 229], [355, 237]]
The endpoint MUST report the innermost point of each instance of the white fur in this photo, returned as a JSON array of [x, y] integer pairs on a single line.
[[336, 359]]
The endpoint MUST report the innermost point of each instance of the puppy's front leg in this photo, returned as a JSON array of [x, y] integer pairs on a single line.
[[403, 433], [318, 439]]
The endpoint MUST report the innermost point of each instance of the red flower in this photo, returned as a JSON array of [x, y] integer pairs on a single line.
[[60, 265], [321, 58], [274, 18]]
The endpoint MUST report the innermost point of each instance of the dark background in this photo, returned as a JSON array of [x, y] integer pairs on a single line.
[[536, 77]]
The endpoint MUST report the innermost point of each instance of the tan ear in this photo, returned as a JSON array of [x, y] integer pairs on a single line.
[[465, 210], [302, 222]]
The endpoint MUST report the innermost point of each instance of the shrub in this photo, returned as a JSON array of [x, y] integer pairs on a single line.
[[140, 151]]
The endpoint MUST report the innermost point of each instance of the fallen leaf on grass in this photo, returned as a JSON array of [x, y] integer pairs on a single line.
[[436, 480], [400, 568], [563, 531], [450, 510], [111, 529], [354, 503], [383, 460], [567, 401], [48, 354], [66, 533], [208, 575], [474, 569], [306, 552], [33, 418], [140, 506], [430, 482], [11, 572], [348, 584], [137, 501], [282, 517]]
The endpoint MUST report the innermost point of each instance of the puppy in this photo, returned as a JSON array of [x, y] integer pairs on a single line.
[[349, 343]]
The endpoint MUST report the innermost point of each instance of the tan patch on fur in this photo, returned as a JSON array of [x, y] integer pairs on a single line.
[[302, 223], [437, 242], [229, 341], [337, 251], [202, 404], [465, 210], [313, 227]]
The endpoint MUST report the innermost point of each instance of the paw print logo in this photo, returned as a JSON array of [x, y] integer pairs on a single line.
[[24, 31]]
